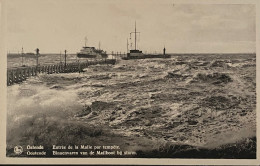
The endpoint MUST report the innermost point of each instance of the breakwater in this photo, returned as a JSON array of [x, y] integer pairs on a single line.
[[146, 56], [19, 74]]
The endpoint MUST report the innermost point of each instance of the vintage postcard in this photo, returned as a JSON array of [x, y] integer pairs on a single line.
[[129, 82]]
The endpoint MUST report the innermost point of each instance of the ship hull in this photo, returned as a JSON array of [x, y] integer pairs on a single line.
[[79, 55], [146, 56]]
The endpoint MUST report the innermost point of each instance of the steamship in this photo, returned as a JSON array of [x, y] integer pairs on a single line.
[[91, 52]]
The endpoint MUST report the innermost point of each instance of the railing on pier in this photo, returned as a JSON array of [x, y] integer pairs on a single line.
[[16, 75]]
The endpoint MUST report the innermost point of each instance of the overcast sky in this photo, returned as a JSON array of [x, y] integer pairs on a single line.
[[55, 25]]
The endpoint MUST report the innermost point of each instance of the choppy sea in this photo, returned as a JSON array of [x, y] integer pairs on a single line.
[[140, 104]]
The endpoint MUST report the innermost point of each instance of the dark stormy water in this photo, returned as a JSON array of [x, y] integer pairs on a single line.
[[154, 107]]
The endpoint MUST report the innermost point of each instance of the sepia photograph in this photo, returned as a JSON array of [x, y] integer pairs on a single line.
[[136, 79]]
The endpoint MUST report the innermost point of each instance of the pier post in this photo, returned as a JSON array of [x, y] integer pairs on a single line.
[[37, 59], [56, 68], [164, 52], [19, 76], [65, 58], [28, 72], [22, 57], [32, 71], [79, 67], [37, 56], [22, 74], [12, 77]]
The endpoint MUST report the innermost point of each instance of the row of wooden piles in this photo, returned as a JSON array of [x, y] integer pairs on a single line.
[[16, 75]]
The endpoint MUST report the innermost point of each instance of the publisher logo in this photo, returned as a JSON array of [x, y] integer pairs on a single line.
[[18, 150]]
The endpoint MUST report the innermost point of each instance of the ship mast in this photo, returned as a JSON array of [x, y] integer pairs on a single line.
[[126, 45], [135, 34]]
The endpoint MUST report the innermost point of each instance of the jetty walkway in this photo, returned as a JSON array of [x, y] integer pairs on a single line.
[[19, 74]]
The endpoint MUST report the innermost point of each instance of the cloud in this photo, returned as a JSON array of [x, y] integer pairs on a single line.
[[55, 25]]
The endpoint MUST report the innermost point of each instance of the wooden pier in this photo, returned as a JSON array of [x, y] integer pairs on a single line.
[[19, 74]]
